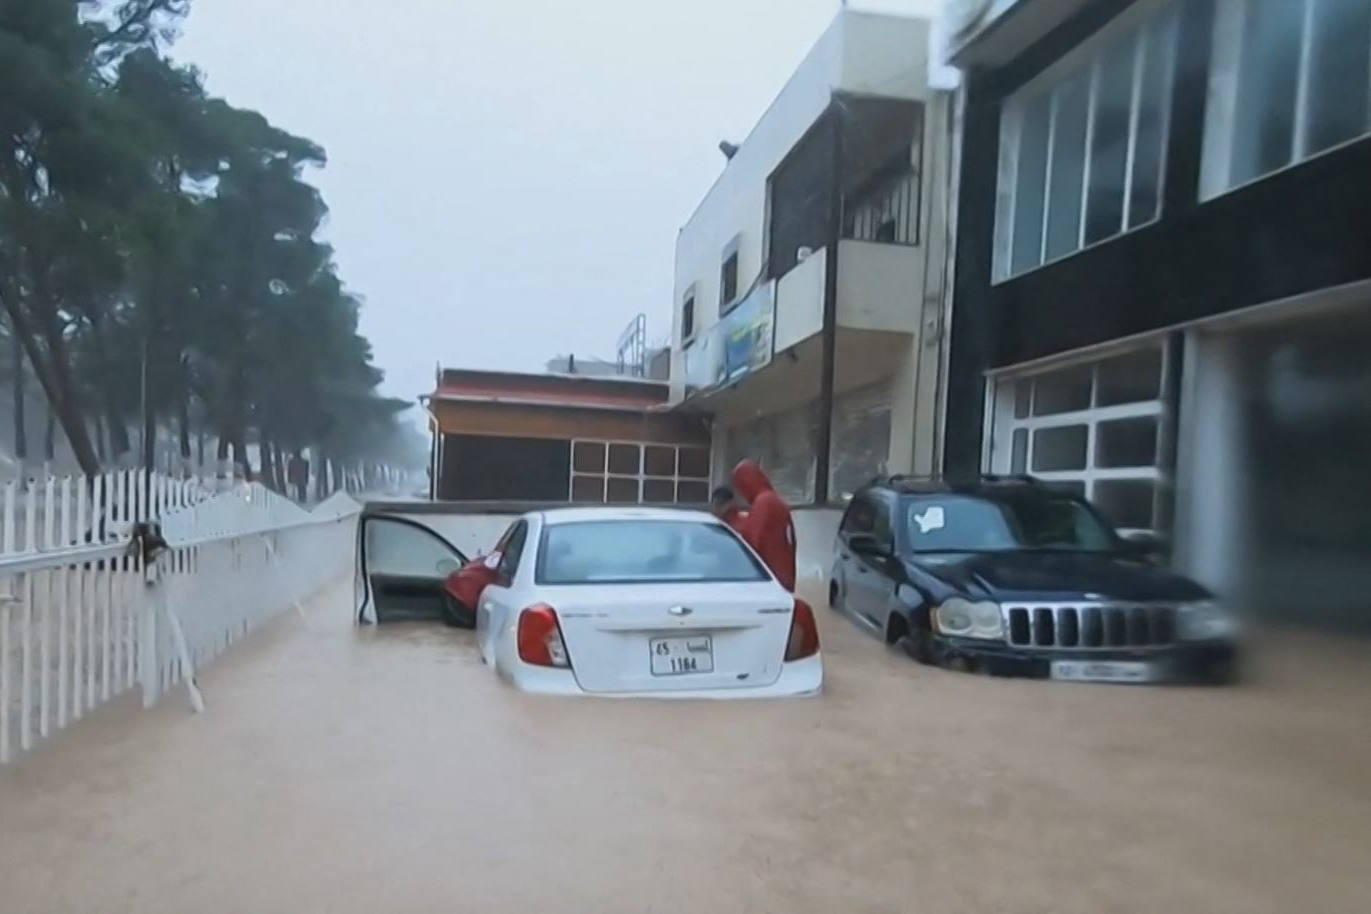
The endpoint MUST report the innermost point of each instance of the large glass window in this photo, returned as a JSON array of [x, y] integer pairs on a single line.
[[1081, 147], [1289, 79], [1095, 428]]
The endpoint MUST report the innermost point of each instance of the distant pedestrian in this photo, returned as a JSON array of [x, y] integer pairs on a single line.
[[767, 526], [724, 506]]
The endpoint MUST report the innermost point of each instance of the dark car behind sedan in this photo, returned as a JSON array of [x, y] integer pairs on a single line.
[[1014, 577]]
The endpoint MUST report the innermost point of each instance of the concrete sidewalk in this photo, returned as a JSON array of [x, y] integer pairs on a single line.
[[343, 770]]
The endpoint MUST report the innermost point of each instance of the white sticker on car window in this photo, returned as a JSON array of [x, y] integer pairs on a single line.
[[930, 520]]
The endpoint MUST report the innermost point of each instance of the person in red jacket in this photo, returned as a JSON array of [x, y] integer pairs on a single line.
[[723, 506], [767, 526]]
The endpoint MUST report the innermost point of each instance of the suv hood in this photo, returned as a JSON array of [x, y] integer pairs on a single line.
[[1040, 575]]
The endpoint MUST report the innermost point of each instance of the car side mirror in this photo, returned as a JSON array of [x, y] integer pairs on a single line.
[[867, 545], [1144, 545]]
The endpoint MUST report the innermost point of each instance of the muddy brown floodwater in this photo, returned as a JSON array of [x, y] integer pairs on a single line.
[[340, 770]]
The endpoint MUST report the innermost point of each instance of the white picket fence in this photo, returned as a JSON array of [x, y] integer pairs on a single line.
[[82, 620]]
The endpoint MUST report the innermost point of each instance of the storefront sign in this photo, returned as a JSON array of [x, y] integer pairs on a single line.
[[740, 343]]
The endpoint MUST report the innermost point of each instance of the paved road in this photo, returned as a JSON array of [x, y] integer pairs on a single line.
[[385, 771]]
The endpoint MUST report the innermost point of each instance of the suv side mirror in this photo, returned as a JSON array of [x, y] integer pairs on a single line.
[[1144, 545], [867, 545]]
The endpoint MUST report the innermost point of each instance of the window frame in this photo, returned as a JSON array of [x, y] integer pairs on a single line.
[[1220, 118], [1148, 17], [513, 544], [689, 324], [641, 477], [1001, 425], [731, 255]]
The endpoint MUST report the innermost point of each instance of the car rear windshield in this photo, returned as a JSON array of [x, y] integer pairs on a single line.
[[643, 551], [964, 523]]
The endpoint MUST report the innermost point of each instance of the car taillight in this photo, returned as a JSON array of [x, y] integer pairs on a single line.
[[540, 637], [804, 633]]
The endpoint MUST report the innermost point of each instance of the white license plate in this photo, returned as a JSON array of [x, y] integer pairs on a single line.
[[1104, 670], [681, 656]]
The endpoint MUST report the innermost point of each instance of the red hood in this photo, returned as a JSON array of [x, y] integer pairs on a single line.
[[749, 481]]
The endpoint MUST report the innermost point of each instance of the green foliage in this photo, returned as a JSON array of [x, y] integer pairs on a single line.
[[154, 238]]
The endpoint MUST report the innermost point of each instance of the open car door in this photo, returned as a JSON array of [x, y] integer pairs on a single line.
[[401, 568]]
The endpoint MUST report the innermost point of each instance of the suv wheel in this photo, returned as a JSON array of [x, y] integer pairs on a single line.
[[834, 601]]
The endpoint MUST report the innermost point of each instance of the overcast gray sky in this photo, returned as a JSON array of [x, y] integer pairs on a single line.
[[506, 178]]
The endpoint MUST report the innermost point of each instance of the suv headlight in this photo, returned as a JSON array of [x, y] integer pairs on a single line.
[[1205, 621], [965, 619]]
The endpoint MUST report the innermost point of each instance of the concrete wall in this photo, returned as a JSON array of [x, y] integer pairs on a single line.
[[879, 286], [800, 301]]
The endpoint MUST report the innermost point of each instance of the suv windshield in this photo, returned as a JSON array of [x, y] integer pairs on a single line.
[[968, 523], [619, 551]]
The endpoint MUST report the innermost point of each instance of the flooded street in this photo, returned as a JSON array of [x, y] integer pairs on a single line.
[[342, 770]]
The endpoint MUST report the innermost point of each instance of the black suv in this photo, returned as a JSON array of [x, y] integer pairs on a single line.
[[1014, 577]]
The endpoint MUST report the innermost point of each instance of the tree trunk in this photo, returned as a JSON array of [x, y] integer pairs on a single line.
[[240, 453], [21, 440], [49, 442], [222, 453], [55, 377], [183, 430], [101, 450], [268, 460]]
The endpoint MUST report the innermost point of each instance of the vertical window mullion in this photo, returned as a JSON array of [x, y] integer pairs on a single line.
[[1014, 141], [1047, 178], [1134, 114], [1092, 102], [1299, 139]]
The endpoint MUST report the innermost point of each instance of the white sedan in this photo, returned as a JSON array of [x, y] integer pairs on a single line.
[[653, 602]]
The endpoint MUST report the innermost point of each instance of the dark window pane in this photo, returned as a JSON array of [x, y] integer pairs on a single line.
[[622, 491], [694, 463], [624, 459], [588, 457], [1132, 378], [1109, 143], [659, 461], [860, 517], [1059, 448], [1062, 391], [1068, 166], [1030, 183], [1126, 442], [1019, 458], [1339, 73], [1126, 502], [602, 552], [1145, 190], [1264, 120], [589, 489], [1067, 487], [688, 318], [1023, 396], [659, 491], [728, 281], [692, 493]]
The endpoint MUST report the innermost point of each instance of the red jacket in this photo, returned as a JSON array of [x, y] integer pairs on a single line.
[[466, 584], [767, 526]]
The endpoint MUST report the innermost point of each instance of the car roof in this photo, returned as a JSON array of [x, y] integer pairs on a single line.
[[555, 516], [987, 485]]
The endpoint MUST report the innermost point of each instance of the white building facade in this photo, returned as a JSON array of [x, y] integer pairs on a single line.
[[820, 251]]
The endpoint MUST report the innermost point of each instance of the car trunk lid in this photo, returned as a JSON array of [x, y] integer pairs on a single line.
[[674, 637]]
